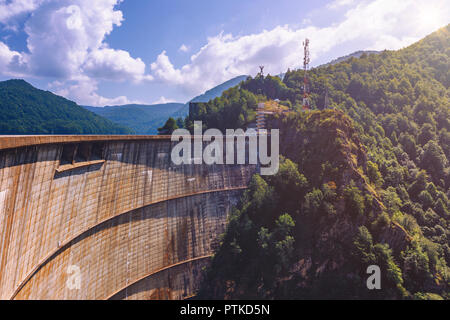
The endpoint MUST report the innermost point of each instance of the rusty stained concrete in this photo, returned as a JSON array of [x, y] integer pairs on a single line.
[[137, 226]]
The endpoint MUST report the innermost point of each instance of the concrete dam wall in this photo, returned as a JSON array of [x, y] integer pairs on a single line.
[[108, 217]]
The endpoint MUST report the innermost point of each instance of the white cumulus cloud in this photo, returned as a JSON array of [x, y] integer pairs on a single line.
[[106, 63], [12, 8], [11, 62], [66, 38], [339, 3], [66, 41], [162, 100], [184, 48], [84, 91]]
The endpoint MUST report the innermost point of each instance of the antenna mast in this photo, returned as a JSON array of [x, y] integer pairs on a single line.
[[305, 69]]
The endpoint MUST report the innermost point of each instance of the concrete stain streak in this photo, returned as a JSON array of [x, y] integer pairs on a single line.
[[136, 226]]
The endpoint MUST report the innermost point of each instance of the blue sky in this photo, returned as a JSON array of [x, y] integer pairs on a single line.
[[108, 52]]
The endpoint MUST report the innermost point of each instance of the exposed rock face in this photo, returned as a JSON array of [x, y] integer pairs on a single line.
[[328, 137], [114, 211]]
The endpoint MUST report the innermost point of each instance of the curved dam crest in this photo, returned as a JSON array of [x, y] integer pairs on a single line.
[[115, 209]]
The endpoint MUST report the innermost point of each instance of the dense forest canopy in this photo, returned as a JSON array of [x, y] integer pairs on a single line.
[[27, 110], [364, 183]]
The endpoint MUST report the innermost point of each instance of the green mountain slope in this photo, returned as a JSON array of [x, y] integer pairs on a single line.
[[209, 95], [144, 119], [366, 183], [27, 110], [356, 54], [217, 90]]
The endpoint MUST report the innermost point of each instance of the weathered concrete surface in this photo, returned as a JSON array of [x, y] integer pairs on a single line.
[[135, 225]]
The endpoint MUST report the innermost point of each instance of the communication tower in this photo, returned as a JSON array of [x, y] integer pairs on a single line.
[[305, 78]]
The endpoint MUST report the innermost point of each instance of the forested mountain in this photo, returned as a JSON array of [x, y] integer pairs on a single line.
[[211, 94], [365, 182], [356, 54], [27, 110], [146, 119], [143, 119], [218, 90]]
